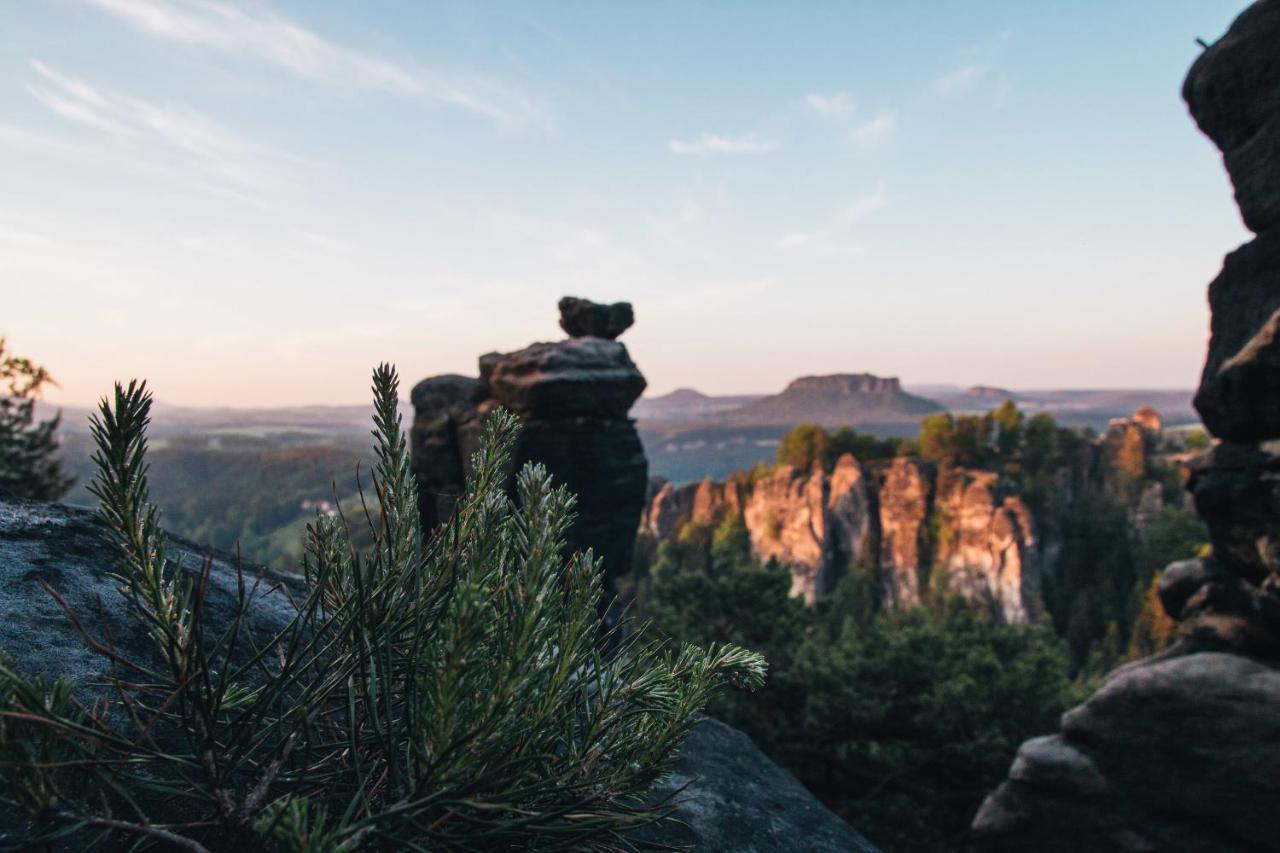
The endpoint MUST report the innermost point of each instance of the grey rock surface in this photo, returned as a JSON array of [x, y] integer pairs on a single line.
[[733, 798], [579, 377]]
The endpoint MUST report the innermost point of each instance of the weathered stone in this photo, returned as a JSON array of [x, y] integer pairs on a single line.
[[1238, 397], [580, 377], [670, 509], [986, 545], [732, 798], [445, 433], [1233, 91], [582, 318], [1236, 489], [906, 498], [853, 528], [69, 550], [1176, 753]]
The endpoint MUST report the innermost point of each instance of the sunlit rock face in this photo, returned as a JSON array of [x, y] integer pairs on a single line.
[[906, 497], [572, 398], [1178, 751], [786, 520], [986, 549]]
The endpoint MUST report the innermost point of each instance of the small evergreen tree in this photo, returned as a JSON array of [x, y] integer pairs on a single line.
[[430, 694], [29, 465]]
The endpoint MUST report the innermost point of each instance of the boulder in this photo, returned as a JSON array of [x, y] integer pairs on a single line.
[[582, 318], [1233, 92], [579, 377], [733, 798], [1172, 753]]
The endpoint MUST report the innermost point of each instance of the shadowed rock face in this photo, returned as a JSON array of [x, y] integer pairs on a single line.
[[1179, 751], [906, 495], [572, 398]]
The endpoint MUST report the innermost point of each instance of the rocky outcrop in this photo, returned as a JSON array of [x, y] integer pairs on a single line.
[[572, 398], [986, 548], [1178, 751], [729, 795], [912, 523]]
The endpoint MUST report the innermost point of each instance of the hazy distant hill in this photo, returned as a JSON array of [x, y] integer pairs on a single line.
[[1077, 407], [841, 399], [686, 404]]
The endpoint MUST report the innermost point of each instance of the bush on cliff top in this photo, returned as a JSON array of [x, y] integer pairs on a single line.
[[446, 693]]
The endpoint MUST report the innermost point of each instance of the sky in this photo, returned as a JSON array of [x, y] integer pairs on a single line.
[[253, 203]]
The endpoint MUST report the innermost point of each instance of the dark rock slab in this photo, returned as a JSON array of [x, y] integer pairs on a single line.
[[737, 800], [1233, 91], [589, 377], [1239, 394], [445, 433], [68, 549], [582, 318]]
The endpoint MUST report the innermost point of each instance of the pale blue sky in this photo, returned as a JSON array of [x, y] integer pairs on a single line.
[[251, 203]]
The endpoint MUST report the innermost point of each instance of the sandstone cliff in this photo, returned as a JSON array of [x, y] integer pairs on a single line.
[[1178, 751]]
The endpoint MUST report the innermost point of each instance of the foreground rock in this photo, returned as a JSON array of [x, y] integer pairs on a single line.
[[572, 398], [736, 800], [1179, 751]]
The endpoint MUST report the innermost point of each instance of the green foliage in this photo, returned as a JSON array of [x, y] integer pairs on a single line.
[[806, 444], [802, 446], [900, 723], [444, 693], [1197, 440], [29, 464]]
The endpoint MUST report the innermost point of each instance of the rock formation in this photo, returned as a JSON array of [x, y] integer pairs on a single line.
[[906, 496], [730, 796], [907, 521], [842, 399], [986, 545], [1178, 751], [572, 398]]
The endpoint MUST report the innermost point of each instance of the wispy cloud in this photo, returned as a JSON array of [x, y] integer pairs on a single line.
[[712, 143], [260, 33], [979, 61], [876, 130], [216, 153], [836, 237], [835, 105]]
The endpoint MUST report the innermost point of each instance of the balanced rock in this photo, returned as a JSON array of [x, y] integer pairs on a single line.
[[580, 377], [582, 318]]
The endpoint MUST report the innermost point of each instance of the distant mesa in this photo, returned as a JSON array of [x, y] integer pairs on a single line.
[[582, 318], [839, 399]]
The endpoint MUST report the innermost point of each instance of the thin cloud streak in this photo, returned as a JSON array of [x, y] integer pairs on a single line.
[[711, 143], [835, 105], [215, 151], [835, 238], [272, 38], [878, 129]]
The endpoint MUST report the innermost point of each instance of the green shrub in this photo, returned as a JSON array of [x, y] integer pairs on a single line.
[[29, 464], [445, 693]]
